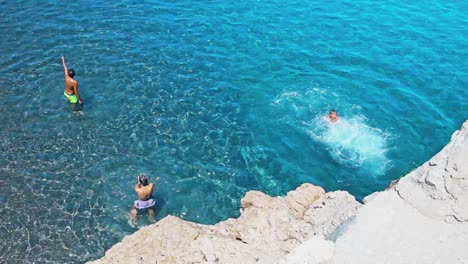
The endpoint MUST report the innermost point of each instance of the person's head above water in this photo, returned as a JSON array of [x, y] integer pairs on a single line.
[[333, 116], [71, 73], [143, 179]]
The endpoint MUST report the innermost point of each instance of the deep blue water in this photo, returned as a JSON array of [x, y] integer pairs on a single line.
[[210, 100]]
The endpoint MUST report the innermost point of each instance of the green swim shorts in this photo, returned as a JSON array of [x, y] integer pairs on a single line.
[[72, 98]]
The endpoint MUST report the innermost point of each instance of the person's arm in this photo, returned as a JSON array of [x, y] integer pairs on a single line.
[[75, 89], [137, 187], [65, 69]]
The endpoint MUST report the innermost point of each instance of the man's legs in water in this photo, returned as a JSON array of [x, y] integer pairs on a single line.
[[134, 212], [133, 216], [76, 107], [151, 215]]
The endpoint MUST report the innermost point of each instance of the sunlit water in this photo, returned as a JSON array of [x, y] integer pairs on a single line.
[[211, 100]]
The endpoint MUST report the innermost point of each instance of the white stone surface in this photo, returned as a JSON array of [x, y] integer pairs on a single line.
[[389, 230], [421, 219], [316, 250]]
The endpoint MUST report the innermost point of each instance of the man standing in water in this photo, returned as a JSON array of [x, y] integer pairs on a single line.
[[333, 116], [71, 86], [144, 190]]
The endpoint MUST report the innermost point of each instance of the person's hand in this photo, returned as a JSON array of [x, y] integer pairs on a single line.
[[81, 102]]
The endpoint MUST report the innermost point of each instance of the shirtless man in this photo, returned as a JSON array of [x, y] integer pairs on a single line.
[[71, 86], [333, 116], [144, 190]]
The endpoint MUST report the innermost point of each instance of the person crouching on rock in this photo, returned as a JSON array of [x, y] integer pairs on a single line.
[[144, 190]]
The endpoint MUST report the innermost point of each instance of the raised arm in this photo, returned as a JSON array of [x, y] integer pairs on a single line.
[[65, 69], [137, 185]]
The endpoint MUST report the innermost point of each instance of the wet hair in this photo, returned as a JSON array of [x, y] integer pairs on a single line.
[[143, 179], [332, 111], [71, 73]]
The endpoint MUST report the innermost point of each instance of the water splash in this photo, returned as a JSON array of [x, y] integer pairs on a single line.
[[352, 143]]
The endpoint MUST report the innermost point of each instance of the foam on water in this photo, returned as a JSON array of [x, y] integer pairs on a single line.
[[352, 142]]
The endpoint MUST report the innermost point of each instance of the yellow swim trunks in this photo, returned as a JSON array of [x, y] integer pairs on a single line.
[[72, 98]]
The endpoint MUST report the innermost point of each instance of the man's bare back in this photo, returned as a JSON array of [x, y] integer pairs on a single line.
[[70, 85], [144, 192]]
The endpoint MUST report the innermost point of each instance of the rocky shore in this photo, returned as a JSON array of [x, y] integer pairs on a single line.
[[421, 218]]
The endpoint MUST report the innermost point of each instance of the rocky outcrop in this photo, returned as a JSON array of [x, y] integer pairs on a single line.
[[267, 229], [439, 188], [422, 218]]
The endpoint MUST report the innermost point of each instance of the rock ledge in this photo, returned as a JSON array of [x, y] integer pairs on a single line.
[[421, 218], [267, 229]]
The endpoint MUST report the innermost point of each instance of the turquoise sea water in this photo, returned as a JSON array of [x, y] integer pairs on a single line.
[[210, 100]]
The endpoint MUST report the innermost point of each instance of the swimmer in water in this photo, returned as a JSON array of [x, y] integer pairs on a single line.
[[333, 116]]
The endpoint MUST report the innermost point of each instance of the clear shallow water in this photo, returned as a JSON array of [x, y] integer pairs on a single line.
[[212, 100]]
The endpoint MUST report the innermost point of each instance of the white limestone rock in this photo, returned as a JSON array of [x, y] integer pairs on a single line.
[[316, 250], [267, 229], [439, 188], [422, 218]]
